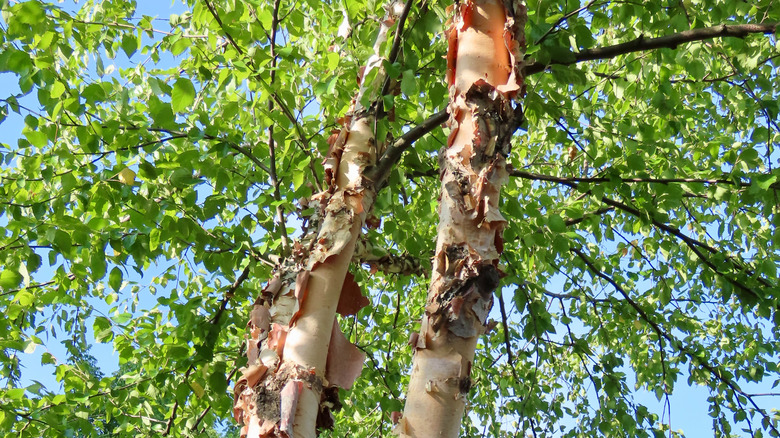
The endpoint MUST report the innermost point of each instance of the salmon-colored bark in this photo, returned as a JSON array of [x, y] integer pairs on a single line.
[[297, 355], [484, 73]]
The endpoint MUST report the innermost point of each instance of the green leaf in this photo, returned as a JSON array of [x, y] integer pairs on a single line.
[[180, 46], [115, 279], [57, 89], [62, 241], [97, 263], [333, 60], [121, 318], [24, 297], [183, 95], [409, 83], [25, 275], [94, 93], [298, 178], [154, 239], [15, 61], [15, 393], [30, 347], [129, 44], [556, 224], [30, 13], [36, 138], [635, 162], [9, 279], [766, 181], [217, 379], [161, 112], [101, 327]]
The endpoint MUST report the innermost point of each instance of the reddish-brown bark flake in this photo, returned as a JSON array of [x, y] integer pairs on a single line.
[[351, 299], [345, 360]]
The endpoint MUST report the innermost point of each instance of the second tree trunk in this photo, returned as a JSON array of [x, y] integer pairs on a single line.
[[484, 74]]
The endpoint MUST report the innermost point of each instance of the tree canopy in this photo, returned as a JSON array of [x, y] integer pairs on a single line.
[[164, 167]]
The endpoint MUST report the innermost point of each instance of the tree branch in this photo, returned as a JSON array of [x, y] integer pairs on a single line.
[[247, 153], [565, 180], [599, 212], [280, 222], [507, 343], [393, 153], [694, 244], [35, 286], [214, 321], [229, 294], [130, 26], [562, 19], [668, 41], [222, 26], [387, 262], [396, 49], [673, 342]]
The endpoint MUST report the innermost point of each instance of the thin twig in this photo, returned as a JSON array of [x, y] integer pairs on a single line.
[[562, 19], [507, 343], [563, 180], [229, 294], [130, 26], [396, 49], [695, 245], [222, 26], [280, 221]]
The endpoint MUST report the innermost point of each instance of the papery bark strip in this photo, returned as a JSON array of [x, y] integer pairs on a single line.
[[284, 390], [485, 77]]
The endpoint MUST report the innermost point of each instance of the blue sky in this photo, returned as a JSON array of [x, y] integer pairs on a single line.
[[10, 131]]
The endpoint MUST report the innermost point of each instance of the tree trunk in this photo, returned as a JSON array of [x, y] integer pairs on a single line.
[[297, 355], [484, 73]]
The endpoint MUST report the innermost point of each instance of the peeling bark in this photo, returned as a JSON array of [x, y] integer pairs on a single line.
[[485, 64], [290, 382]]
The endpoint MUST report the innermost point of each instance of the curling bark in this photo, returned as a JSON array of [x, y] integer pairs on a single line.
[[297, 355], [485, 64]]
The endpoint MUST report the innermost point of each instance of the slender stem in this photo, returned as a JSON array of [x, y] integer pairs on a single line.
[[507, 343], [562, 19], [222, 26], [397, 39]]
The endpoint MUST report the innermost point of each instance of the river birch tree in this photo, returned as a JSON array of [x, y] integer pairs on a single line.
[[608, 177]]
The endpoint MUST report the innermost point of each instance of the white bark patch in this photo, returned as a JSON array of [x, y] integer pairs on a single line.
[[269, 358], [283, 308], [449, 373], [335, 231]]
